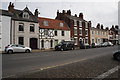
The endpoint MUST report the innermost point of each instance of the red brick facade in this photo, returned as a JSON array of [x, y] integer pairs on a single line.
[[70, 20]]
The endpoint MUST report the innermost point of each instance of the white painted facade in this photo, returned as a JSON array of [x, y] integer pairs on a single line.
[[66, 36], [26, 33], [51, 41], [5, 23]]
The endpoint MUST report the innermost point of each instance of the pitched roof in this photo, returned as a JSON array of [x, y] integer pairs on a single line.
[[17, 15], [52, 24]]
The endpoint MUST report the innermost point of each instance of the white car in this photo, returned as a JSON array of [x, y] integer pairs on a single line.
[[17, 48], [107, 44]]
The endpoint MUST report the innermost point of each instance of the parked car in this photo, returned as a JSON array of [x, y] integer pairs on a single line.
[[105, 44], [84, 46], [116, 55], [95, 45], [65, 45], [17, 48]]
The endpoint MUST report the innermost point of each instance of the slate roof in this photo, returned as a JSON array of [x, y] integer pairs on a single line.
[[52, 24], [17, 15]]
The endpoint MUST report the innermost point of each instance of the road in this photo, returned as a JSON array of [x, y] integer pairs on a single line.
[[24, 63]]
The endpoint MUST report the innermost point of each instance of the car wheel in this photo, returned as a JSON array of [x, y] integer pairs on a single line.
[[10, 51], [62, 49], [118, 57], [72, 48], [27, 51]]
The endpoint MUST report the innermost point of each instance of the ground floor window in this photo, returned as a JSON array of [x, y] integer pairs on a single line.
[[42, 43], [21, 40], [51, 43]]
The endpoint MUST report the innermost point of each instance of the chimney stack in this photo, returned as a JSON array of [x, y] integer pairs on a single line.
[[75, 15], [81, 15], [11, 7], [98, 26], [101, 26], [69, 12], [36, 12]]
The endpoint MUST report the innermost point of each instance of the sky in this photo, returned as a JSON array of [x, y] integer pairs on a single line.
[[98, 11]]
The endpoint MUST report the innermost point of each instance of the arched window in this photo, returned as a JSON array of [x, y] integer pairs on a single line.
[[42, 43], [51, 43]]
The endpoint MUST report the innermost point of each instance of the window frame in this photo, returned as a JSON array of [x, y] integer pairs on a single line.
[[21, 27]]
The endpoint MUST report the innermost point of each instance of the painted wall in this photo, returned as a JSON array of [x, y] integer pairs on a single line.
[[26, 33], [5, 32]]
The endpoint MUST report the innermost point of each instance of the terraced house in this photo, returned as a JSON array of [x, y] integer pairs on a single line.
[[23, 27], [79, 27], [99, 34], [52, 32]]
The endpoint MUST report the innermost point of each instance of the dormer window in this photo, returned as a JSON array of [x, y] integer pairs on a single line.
[[26, 15], [61, 24], [45, 23]]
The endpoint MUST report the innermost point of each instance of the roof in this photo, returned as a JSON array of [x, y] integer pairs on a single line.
[[17, 15], [93, 28], [52, 24], [5, 13]]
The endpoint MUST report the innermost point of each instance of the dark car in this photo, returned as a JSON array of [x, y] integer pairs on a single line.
[[84, 46], [65, 45], [116, 55]]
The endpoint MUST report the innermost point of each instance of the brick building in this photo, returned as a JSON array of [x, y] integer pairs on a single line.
[[80, 28]]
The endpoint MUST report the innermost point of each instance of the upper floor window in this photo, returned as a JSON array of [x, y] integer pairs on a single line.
[[61, 24], [86, 25], [80, 31], [32, 28], [86, 32], [21, 27], [80, 23], [75, 22], [75, 30], [55, 33], [92, 32], [62, 33], [45, 23], [26, 15]]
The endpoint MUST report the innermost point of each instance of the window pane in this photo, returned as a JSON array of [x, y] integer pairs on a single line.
[[62, 33], [21, 40], [21, 27]]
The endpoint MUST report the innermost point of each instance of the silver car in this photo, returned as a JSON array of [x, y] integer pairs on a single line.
[[17, 48]]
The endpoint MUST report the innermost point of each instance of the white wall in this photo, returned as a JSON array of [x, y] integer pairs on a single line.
[[5, 31], [26, 33], [66, 36]]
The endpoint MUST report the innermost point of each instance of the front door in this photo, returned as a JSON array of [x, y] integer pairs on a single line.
[[33, 43], [47, 44]]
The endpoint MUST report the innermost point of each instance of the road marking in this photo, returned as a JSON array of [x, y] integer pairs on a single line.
[[106, 74], [43, 68]]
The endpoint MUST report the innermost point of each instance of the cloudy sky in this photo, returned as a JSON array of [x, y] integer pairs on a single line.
[[102, 11]]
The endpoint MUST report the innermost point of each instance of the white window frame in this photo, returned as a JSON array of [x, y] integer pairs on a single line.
[[75, 22], [45, 23], [61, 24], [80, 23]]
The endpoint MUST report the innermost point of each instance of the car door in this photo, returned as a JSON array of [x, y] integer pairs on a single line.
[[15, 48], [21, 48]]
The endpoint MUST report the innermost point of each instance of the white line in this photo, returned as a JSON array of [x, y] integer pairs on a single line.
[[106, 74]]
